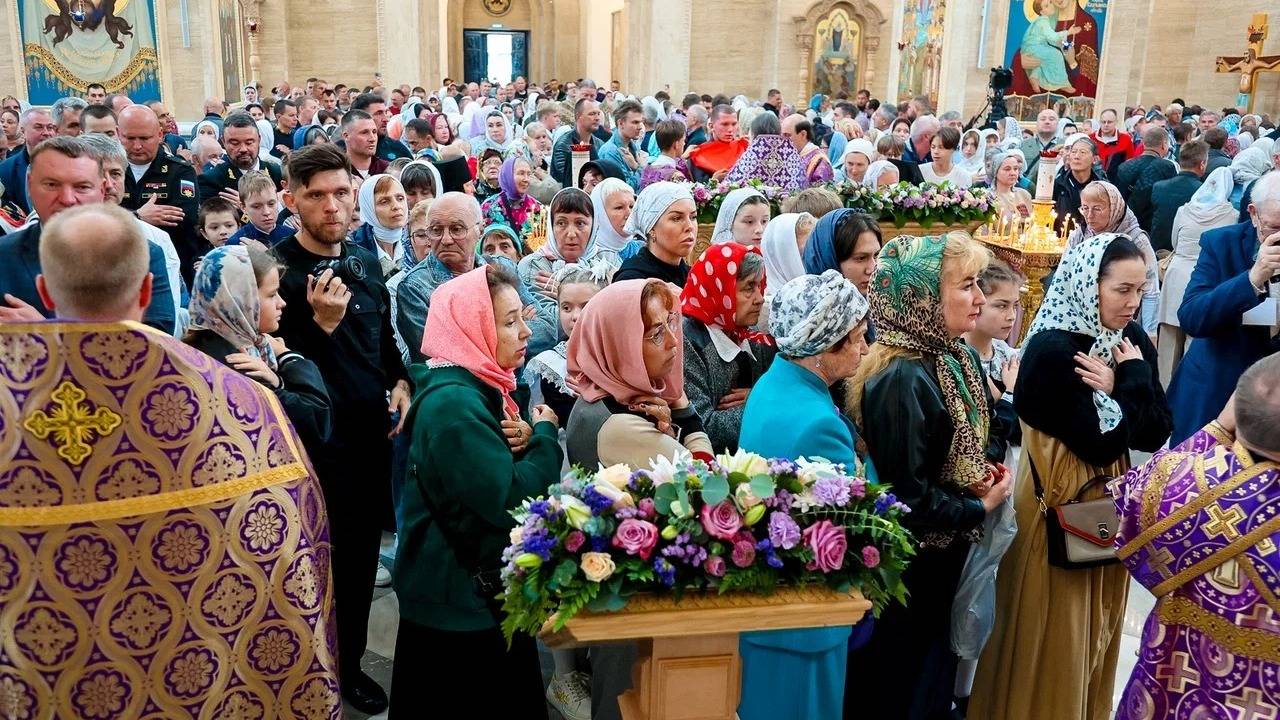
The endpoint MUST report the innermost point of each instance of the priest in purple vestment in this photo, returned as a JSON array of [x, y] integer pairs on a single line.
[[1200, 527], [164, 548], [770, 158]]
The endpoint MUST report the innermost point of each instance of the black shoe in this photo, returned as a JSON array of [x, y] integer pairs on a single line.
[[363, 693]]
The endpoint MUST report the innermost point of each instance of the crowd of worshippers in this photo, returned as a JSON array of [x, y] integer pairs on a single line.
[[440, 368]]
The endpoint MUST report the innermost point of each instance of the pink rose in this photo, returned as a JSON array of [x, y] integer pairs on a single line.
[[744, 553], [828, 543], [574, 540], [714, 566], [647, 508], [721, 520], [870, 556], [636, 537]]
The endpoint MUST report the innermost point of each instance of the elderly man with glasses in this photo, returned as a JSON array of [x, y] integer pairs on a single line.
[[451, 232]]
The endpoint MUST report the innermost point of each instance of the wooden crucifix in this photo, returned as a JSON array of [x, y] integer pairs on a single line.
[[1253, 61]]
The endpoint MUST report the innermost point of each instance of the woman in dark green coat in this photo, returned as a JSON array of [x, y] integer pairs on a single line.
[[472, 460]]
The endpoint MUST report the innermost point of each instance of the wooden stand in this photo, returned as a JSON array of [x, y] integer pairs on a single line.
[[688, 666]]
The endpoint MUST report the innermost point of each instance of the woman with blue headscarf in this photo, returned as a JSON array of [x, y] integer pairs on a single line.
[[846, 241]]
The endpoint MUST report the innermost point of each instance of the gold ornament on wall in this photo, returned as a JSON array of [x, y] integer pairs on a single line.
[[497, 8]]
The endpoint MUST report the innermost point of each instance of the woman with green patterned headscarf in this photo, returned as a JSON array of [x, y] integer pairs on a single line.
[[922, 403]]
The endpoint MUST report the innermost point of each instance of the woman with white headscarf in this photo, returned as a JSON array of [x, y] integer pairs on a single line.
[[784, 240], [495, 132], [855, 160], [1249, 165], [665, 218], [1210, 208], [612, 200], [973, 154], [743, 215], [880, 174], [266, 140], [385, 212]]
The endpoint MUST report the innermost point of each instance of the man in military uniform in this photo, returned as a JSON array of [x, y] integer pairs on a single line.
[[160, 187], [240, 139]]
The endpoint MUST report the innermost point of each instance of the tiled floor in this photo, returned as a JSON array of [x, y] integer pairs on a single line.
[[384, 619]]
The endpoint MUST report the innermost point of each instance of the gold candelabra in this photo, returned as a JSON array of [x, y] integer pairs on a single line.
[[1032, 247]]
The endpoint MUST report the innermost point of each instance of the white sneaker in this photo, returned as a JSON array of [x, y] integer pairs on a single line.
[[383, 578], [570, 695]]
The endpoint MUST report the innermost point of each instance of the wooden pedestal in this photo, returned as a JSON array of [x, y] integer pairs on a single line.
[[688, 666]]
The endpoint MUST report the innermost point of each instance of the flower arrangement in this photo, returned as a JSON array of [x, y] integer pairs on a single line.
[[739, 523], [710, 196], [935, 203]]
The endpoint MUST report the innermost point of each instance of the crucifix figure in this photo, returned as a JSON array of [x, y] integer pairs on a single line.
[[1253, 62]]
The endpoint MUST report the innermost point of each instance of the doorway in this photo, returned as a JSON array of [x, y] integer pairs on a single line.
[[495, 55]]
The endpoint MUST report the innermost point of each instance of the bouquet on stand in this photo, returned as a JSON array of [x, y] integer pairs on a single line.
[[741, 523], [710, 196]]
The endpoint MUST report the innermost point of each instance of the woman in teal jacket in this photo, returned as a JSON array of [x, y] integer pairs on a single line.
[[471, 462], [819, 324]]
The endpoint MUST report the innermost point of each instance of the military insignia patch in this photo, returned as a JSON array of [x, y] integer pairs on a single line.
[[187, 188]]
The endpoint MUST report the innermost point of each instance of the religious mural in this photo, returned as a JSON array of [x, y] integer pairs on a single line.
[[67, 44], [837, 43], [920, 48], [229, 26], [1054, 48]]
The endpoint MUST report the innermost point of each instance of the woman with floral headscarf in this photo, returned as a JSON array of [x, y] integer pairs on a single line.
[[1096, 397], [922, 403], [513, 205], [723, 356], [235, 304]]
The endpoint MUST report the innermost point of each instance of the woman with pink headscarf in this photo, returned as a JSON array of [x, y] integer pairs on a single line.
[[472, 460]]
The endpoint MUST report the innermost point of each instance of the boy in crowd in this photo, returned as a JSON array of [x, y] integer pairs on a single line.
[[261, 208]]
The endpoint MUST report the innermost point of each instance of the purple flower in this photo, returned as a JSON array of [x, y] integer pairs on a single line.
[[647, 509], [781, 500], [574, 540], [771, 557], [831, 491], [870, 556], [744, 553], [539, 542], [884, 502], [714, 566], [541, 508], [665, 570], [781, 466], [594, 500], [783, 531], [858, 488]]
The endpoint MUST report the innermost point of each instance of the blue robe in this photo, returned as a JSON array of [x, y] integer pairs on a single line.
[[795, 674], [1222, 348]]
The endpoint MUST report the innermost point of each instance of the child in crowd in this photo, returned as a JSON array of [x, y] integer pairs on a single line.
[[261, 207], [973, 611], [570, 689], [218, 220]]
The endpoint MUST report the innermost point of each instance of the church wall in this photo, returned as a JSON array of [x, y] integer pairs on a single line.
[[475, 17], [328, 40], [11, 56], [598, 42], [185, 92], [274, 42], [724, 32]]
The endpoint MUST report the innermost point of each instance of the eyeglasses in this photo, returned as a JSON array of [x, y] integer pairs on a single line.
[[670, 325], [457, 231]]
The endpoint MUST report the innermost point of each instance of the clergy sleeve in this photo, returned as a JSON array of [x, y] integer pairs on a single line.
[[1214, 303], [908, 435]]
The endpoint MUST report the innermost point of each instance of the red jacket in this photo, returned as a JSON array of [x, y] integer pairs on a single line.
[[1122, 146]]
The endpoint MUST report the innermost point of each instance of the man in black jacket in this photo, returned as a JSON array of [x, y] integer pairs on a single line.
[[338, 313], [159, 187], [586, 119], [240, 138], [1135, 177], [388, 148], [1169, 195]]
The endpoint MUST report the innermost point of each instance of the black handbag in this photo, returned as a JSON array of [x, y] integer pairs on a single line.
[[1081, 533]]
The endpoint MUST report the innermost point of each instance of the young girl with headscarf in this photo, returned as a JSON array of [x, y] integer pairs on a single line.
[[742, 218], [235, 305], [513, 205]]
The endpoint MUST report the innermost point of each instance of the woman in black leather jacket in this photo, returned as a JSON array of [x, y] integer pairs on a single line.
[[235, 302], [926, 417]]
